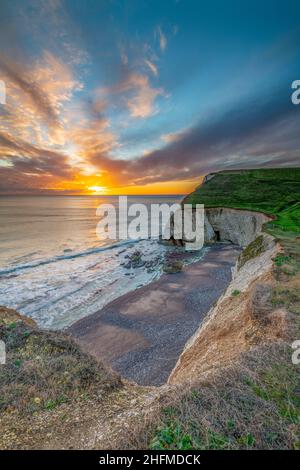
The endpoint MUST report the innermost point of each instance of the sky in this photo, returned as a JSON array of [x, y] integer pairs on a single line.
[[144, 96]]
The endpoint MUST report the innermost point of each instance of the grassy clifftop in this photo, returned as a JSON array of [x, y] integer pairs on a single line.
[[275, 192]]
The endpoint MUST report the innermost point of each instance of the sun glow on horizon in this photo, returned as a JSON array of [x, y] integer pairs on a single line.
[[98, 189], [91, 185]]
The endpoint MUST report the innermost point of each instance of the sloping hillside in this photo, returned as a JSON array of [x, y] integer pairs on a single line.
[[237, 385]]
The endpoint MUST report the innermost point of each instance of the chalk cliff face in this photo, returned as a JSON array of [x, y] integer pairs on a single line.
[[239, 227], [239, 321]]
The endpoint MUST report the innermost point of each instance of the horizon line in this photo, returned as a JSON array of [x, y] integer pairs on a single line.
[[91, 195]]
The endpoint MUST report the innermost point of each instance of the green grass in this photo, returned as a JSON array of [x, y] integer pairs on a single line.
[[269, 191], [275, 192], [235, 292], [255, 248]]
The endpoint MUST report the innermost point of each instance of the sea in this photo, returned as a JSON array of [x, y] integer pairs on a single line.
[[56, 269]]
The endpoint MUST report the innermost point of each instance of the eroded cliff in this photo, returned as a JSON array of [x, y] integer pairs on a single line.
[[250, 312], [239, 227], [243, 317]]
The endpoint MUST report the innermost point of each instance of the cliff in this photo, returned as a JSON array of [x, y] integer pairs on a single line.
[[242, 317], [236, 382], [245, 314]]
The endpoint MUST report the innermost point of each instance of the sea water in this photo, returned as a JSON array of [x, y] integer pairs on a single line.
[[53, 266]]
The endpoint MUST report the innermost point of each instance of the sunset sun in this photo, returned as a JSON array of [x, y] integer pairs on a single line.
[[97, 189]]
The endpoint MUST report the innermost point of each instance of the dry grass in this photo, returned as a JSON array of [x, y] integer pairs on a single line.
[[252, 405], [45, 369]]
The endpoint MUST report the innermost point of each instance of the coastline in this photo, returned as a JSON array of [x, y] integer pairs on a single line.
[[142, 333]]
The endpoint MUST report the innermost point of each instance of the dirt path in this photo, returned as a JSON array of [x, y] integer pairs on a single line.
[[142, 334]]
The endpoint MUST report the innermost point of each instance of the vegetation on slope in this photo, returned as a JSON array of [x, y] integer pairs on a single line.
[[256, 403], [45, 373]]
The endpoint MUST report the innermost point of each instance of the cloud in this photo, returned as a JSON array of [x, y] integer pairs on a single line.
[[56, 79], [93, 138], [161, 38], [174, 136], [36, 98], [141, 104], [33, 125], [257, 132], [123, 56], [56, 134], [23, 155], [15, 76], [152, 67], [137, 94]]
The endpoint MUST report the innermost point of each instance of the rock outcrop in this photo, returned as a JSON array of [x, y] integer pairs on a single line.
[[223, 224], [239, 227]]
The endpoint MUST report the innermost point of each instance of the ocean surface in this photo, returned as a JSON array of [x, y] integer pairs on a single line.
[[53, 266]]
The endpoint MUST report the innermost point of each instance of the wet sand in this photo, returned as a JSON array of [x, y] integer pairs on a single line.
[[142, 333]]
